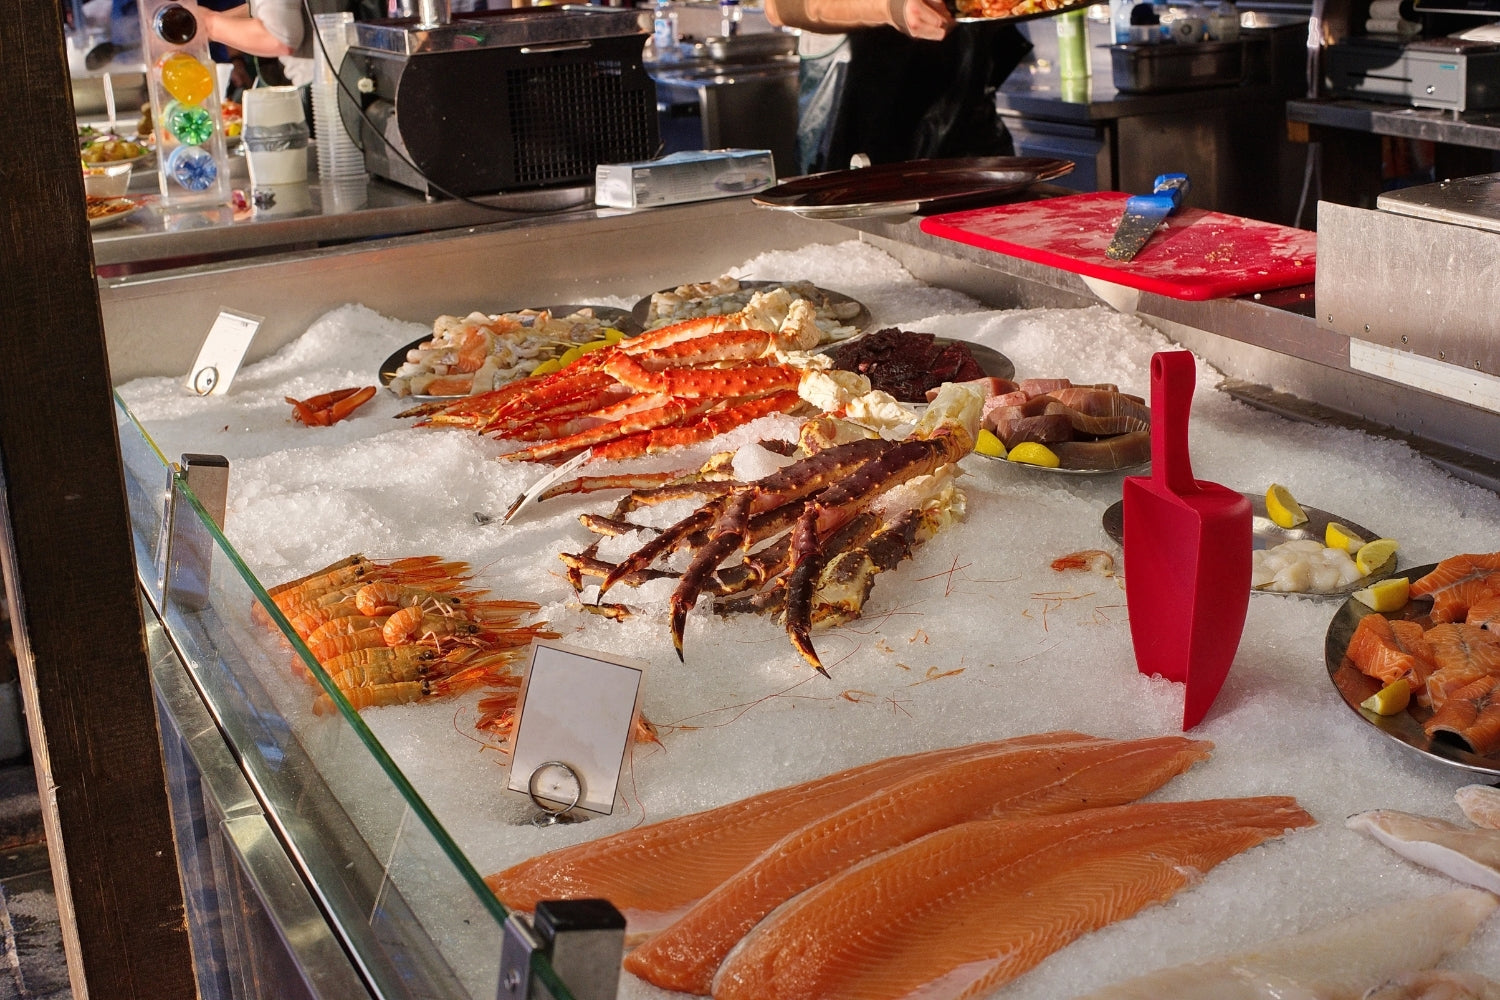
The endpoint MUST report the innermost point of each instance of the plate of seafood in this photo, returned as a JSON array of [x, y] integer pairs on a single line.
[[1292, 562], [104, 212], [476, 353], [911, 366], [838, 316], [1089, 429], [912, 186], [975, 11], [1445, 643]]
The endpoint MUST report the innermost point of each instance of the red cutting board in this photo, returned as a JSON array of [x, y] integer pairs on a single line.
[[1193, 255]]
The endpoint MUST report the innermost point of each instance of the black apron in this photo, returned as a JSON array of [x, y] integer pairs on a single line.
[[906, 99]]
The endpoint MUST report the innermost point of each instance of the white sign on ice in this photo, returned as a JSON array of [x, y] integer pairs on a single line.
[[222, 351], [578, 709]]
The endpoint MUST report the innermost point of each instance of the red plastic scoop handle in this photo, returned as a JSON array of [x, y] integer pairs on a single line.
[[1174, 374]]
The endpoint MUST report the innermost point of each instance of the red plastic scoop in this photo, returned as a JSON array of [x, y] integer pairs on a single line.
[[1187, 553]]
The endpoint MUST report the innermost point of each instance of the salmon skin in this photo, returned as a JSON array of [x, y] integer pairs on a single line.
[[653, 872], [1009, 782], [960, 912]]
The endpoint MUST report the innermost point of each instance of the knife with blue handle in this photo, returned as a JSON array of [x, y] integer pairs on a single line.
[[1143, 213]]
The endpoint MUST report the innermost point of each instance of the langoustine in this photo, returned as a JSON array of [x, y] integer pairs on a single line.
[[398, 631]]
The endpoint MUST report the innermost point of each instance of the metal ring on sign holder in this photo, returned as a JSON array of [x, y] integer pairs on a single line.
[[551, 814]]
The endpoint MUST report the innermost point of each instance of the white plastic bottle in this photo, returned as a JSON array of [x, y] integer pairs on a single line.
[[1119, 20]]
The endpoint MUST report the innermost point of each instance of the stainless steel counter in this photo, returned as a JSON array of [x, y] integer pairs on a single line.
[[155, 237], [1475, 129]]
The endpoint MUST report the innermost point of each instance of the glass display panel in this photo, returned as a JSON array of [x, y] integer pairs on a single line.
[[412, 909]]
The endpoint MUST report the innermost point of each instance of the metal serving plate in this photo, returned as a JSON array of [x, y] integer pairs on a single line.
[[1124, 470], [608, 315], [641, 311], [1354, 687], [990, 361], [1027, 12], [1266, 533], [913, 186]]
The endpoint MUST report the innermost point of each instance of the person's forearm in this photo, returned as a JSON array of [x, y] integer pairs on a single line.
[[834, 16], [246, 34]]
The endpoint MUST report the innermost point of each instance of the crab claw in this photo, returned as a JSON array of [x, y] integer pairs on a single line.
[[726, 535]]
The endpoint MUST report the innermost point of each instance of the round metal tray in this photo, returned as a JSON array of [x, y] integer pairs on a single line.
[[1354, 687], [641, 311], [912, 186], [990, 361], [1266, 533], [620, 319]]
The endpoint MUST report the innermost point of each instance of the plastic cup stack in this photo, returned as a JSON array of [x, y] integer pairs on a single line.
[[339, 159]]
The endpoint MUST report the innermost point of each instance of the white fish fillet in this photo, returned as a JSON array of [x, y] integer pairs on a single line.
[[1471, 856], [1338, 962], [1435, 985], [1481, 803]]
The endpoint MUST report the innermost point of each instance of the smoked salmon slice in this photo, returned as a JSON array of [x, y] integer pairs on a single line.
[[1386, 650], [961, 911], [1011, 782], [653, 872], [1457, 582], [1472, 714]]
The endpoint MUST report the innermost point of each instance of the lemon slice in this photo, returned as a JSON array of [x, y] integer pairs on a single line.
[[1389, 700], [1032, 453], [1337, 536], [988, 444], [1283, 507], [1386, 595], [1373, 555]]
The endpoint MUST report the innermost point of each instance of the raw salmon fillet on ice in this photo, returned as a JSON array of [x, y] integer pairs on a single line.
[[1457, 582], [1009, 782], [1388, 650], [653, 872], [961, 911]]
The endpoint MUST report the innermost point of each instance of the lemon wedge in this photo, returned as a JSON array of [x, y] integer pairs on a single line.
[[1283, 507], [988, 444], [1389, 700], [547, 367], [613, 336], [1373, 555], [1386, 595], [1337, 536], [1032, 453]]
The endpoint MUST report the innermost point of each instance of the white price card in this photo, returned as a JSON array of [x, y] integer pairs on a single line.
[[222, 351], [577, 711]]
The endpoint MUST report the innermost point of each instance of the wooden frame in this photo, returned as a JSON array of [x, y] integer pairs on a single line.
[[66, 551]]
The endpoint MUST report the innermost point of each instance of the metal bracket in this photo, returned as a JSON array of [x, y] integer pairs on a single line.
[[184, 548], [583, 941]]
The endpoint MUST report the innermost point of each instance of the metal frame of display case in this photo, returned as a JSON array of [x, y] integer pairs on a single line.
[[83, 490]]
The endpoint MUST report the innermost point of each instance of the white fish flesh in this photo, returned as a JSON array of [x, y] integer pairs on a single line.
[[1471, 856], [1436, 985], [1481, 803], [1342, 961]]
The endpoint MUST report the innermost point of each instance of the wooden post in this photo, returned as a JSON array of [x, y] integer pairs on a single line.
[[66, 551]]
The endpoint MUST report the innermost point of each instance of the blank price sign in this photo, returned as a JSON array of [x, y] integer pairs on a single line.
[[578, 708]]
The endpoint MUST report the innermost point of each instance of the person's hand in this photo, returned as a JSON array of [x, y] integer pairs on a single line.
[[927, 19]]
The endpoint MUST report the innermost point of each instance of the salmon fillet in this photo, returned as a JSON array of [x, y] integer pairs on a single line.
[[652, 872], [962, 911], [1387, 650], [1458, 582], [1012, 782], [1485, 613], [1472, 714]]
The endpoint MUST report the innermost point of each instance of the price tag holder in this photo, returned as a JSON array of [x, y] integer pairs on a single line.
[[578, 708], [222, 351]]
